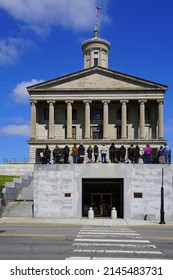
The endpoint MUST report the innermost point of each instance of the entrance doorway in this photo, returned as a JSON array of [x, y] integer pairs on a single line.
[[102, 204], [102, 195]]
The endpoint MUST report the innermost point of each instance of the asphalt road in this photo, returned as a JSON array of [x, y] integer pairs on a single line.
[[50, 242]]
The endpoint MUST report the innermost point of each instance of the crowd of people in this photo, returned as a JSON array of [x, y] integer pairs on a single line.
[[80, 154]]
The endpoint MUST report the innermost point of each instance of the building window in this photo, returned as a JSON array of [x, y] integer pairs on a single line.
[[96, 114], [73, 132], [46, 114], [96, 61], [118, 114], [147, 114], [118, 132]]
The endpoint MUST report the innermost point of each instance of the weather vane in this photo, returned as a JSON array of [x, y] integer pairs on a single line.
[[98, 8]]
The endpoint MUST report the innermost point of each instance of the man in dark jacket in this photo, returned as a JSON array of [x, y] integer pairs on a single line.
[[66, 152], [122, 153], [81, 153], [112, 151]]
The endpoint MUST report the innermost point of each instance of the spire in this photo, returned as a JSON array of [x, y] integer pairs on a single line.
[[96, 28], [96, 50]]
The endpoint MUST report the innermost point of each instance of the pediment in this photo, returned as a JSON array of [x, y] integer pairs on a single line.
[[97, 78]]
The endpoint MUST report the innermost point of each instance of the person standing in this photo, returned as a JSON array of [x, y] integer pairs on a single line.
[[81, 153], [47, 154], [166, 153], [112, 151], [74, 153], [96, 153], [103, 154], [66, 152], [56, 154], [122, 153], [147, 154], [89, 153], [131, 153]]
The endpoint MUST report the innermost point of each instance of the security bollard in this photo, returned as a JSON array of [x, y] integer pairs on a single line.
[[90, 213], [114, 213]]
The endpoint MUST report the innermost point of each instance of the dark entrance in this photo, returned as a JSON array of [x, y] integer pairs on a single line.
[[102, 195]]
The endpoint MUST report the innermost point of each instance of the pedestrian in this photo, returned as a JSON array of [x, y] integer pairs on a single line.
[[160, 155], [122, 153], [89, 153], [136, 154], [81, 153], [166, 153], [46, 154], [74, 153], [131, 153], [112, 152], [147, 154], [56, 155], [103, 154], [66, 152], [96, 153]]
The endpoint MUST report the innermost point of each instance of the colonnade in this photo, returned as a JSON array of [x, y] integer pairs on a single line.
[[105, 103]]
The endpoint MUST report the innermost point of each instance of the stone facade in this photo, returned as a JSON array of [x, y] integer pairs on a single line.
[[58, 190]]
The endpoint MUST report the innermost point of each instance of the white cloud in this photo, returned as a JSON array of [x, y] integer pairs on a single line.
[[11, 49], [20, 94], [44, 14], [15, 130]]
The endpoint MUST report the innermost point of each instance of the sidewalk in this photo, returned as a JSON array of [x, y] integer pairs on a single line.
[[80, 222]]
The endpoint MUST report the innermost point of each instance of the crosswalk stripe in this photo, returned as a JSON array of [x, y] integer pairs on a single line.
[[117, 251], [116, 245], [107, 233], [113, 240]]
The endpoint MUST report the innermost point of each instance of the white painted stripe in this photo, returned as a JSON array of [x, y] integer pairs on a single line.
[[98, 230], [113, 240], [108, 233], [115, 245], [118, 251]]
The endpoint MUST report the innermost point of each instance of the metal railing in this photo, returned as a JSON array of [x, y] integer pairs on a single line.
[[16, 160]]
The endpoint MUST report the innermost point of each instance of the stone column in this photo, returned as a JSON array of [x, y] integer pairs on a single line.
[[51, 133], [105, 119], [142, 118], [33, 118], [160, 118], [69, 119], [124, 118], [87, 118]]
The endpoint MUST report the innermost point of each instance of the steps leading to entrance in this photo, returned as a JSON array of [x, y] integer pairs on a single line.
[[18, 209]]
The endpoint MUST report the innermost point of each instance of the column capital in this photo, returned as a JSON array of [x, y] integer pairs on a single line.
[[69, 101], [124, 101], [105, 101], [87, 101], [50, 102], [142, 101], [160, 101], [33, 102]]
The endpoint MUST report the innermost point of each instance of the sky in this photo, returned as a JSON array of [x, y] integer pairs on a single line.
[[41, 40]]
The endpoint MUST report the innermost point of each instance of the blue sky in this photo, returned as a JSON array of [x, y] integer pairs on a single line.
[[41, 40]]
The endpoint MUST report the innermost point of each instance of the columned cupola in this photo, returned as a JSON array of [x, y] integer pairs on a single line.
[[96, 51]]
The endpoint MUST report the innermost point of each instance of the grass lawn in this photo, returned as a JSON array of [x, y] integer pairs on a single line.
[[6, 178]]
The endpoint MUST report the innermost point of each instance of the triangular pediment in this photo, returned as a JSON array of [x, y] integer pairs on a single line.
[[97, 78]]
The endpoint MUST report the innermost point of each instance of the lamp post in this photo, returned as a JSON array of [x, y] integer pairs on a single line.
[[162, 213]]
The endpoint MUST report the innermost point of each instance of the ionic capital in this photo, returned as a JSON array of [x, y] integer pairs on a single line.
[[50, 102], [69, 101], [87, 101], [161, 101], [33, 102], [142, 101], [105, 101], [124, 101]]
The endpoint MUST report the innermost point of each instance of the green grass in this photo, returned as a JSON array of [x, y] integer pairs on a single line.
[[6, 178]]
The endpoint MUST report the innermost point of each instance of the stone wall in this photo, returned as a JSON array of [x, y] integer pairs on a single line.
[[58, 189]]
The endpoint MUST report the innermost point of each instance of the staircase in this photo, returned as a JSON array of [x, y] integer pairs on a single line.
[[18, 197]]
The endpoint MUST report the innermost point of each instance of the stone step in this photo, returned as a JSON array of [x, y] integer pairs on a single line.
[[18, 209]]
